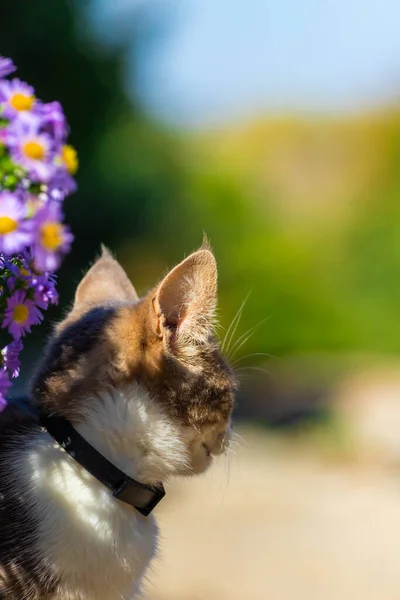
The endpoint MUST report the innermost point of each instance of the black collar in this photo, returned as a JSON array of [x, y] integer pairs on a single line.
[[142, 497]]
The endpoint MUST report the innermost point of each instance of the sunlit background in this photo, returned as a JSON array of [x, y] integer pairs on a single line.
[[274, 127]]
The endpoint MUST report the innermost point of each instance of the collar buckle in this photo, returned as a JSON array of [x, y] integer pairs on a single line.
[[143, 497]]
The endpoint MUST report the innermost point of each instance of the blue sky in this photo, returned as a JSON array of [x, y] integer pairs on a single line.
[[220, 59]]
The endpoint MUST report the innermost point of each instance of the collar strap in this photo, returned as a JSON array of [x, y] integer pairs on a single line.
[[142, 497]]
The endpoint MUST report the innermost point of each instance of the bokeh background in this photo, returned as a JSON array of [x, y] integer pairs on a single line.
[[274, 127]]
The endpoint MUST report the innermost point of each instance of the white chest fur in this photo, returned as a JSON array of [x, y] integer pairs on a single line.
[[99, 546]]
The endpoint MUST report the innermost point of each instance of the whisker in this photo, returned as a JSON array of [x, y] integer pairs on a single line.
[[234, 323], [241, 378], [237, 315], [228, 344], [234, 352], [240, 359], [239, 437], [227, 476], [233, 447], [233, 455], [254, 369], [244, 338]]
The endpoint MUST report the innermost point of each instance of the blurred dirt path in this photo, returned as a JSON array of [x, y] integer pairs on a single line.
[[286, 526]]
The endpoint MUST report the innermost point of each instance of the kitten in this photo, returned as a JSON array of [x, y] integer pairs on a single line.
[[143, 381]]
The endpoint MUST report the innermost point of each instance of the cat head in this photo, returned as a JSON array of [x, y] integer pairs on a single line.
[[114, 344]]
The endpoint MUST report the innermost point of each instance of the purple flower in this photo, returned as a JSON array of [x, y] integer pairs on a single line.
[[52, 120], [20, 314], [4, 385], [10, 357], [6, 66], [45, 291], [14, 231], [40, 166], [11, 281], [61, 185], [23, 273], [31, 149], [52, 238], [16, 97]]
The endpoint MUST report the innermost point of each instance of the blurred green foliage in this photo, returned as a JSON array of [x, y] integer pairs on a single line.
[[325, 279]]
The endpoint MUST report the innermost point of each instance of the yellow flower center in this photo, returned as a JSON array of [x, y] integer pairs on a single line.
[[22, 102], [24, 272], [34, 150], [7, 225], [51, 236], [70, 158], [20, 313]]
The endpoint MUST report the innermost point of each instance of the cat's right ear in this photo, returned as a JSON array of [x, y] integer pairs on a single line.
[[105, 282], [185, 300]]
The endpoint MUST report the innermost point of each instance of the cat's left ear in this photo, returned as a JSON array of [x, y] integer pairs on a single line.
[[185, 300], [105, 282]]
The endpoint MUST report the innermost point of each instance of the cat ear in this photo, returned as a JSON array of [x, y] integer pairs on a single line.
[[105, 282], [186, 299]]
